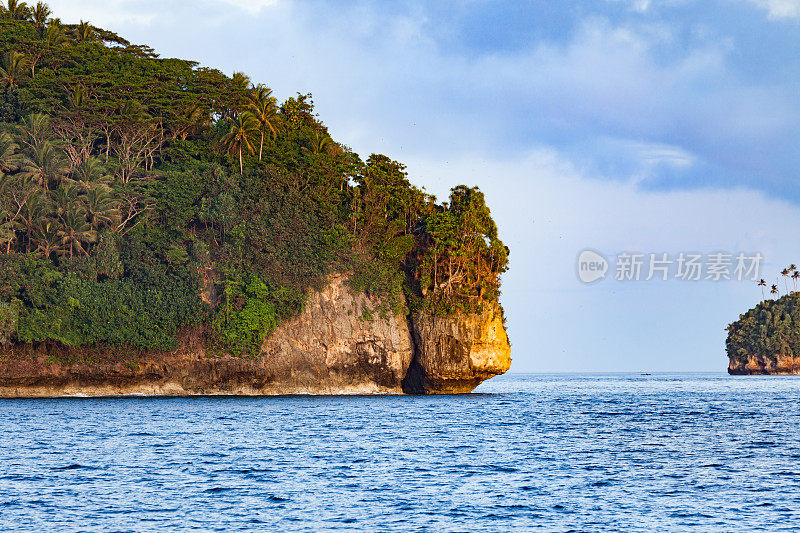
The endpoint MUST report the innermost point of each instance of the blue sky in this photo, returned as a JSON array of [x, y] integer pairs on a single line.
[[638, 125]]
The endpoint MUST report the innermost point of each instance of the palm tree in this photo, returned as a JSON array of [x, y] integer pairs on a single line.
[[762, 283], [320, 143], [9, 158], [264, 108], [65, 196], [47, 239], [239, 88], [55, 35], [36, 209], [40, 15], [239, 137], [13, 70], [34, 130], [84, 32], [47, 164], [16, 10], [75, 231], [785, 274], [774, 289], [795, 277], [91, 173], [192, 118], [101, 208]]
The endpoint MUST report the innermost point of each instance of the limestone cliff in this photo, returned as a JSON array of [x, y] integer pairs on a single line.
[[752, 365], [455, 354], [330, 348]]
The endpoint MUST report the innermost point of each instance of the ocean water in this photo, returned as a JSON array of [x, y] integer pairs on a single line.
[[533, 452]]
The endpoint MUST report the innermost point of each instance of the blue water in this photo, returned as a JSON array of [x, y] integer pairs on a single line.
[[549, 452]]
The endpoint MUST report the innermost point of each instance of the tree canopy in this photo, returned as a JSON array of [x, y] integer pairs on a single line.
[[126, 177]]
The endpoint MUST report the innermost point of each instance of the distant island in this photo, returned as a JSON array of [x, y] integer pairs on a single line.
[[766, 339], [168, 229]]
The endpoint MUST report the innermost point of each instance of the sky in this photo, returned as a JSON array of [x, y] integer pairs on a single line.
[[619, 126]]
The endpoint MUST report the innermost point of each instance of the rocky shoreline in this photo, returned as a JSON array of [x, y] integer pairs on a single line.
[[758, 366], [330, 348]]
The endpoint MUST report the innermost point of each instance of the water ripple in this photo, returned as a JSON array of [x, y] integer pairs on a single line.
[[567, 453]]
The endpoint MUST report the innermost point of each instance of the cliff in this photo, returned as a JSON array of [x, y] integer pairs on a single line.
[[766, 339], [754, 365], [455, 354], [328, 349]]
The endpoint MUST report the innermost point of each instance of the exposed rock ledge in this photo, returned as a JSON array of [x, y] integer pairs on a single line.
[[780, 365], [328, 349]]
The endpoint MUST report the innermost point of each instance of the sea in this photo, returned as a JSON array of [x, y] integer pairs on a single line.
[[571, 452]]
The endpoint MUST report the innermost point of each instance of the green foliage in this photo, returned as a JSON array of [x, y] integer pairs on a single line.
[[247, 316], [144, 311], [124, 175], [770, 329], [107, 256], [464, 258], [9, 318]]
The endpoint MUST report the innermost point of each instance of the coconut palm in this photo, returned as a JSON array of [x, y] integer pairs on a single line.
[[762, 283], [7, 233], [75, 231], [13, 70], [192, 118], [55, 35], [40, 14], [84, 32], [16, 10], [795, 277], [65, 196], [785, 274], [320, 143], [264, 108], [45, 165], [774, 289], [101, 207], [91, 173], [9, 158], [34, 130], [35, 209], [46, 237], [239, 138]]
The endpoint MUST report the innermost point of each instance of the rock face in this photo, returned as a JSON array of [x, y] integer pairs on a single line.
[[752, 365], [455, 354], [330, 348]]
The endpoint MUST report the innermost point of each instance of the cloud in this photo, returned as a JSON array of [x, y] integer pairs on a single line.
[[640, 6], [548, 210], [104, 13], [633, 132], [251, 6], [779, 9]]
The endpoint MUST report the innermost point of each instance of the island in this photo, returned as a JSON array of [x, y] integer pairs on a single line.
[[167, 229], [766, 339]]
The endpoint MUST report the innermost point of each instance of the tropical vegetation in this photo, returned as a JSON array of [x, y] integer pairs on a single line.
[[772, 327], [126, 178]]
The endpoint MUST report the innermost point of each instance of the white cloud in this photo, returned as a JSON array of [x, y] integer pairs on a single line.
[[548, 210], [779, 9], [382, 84], [104, 13], [251, 6]]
